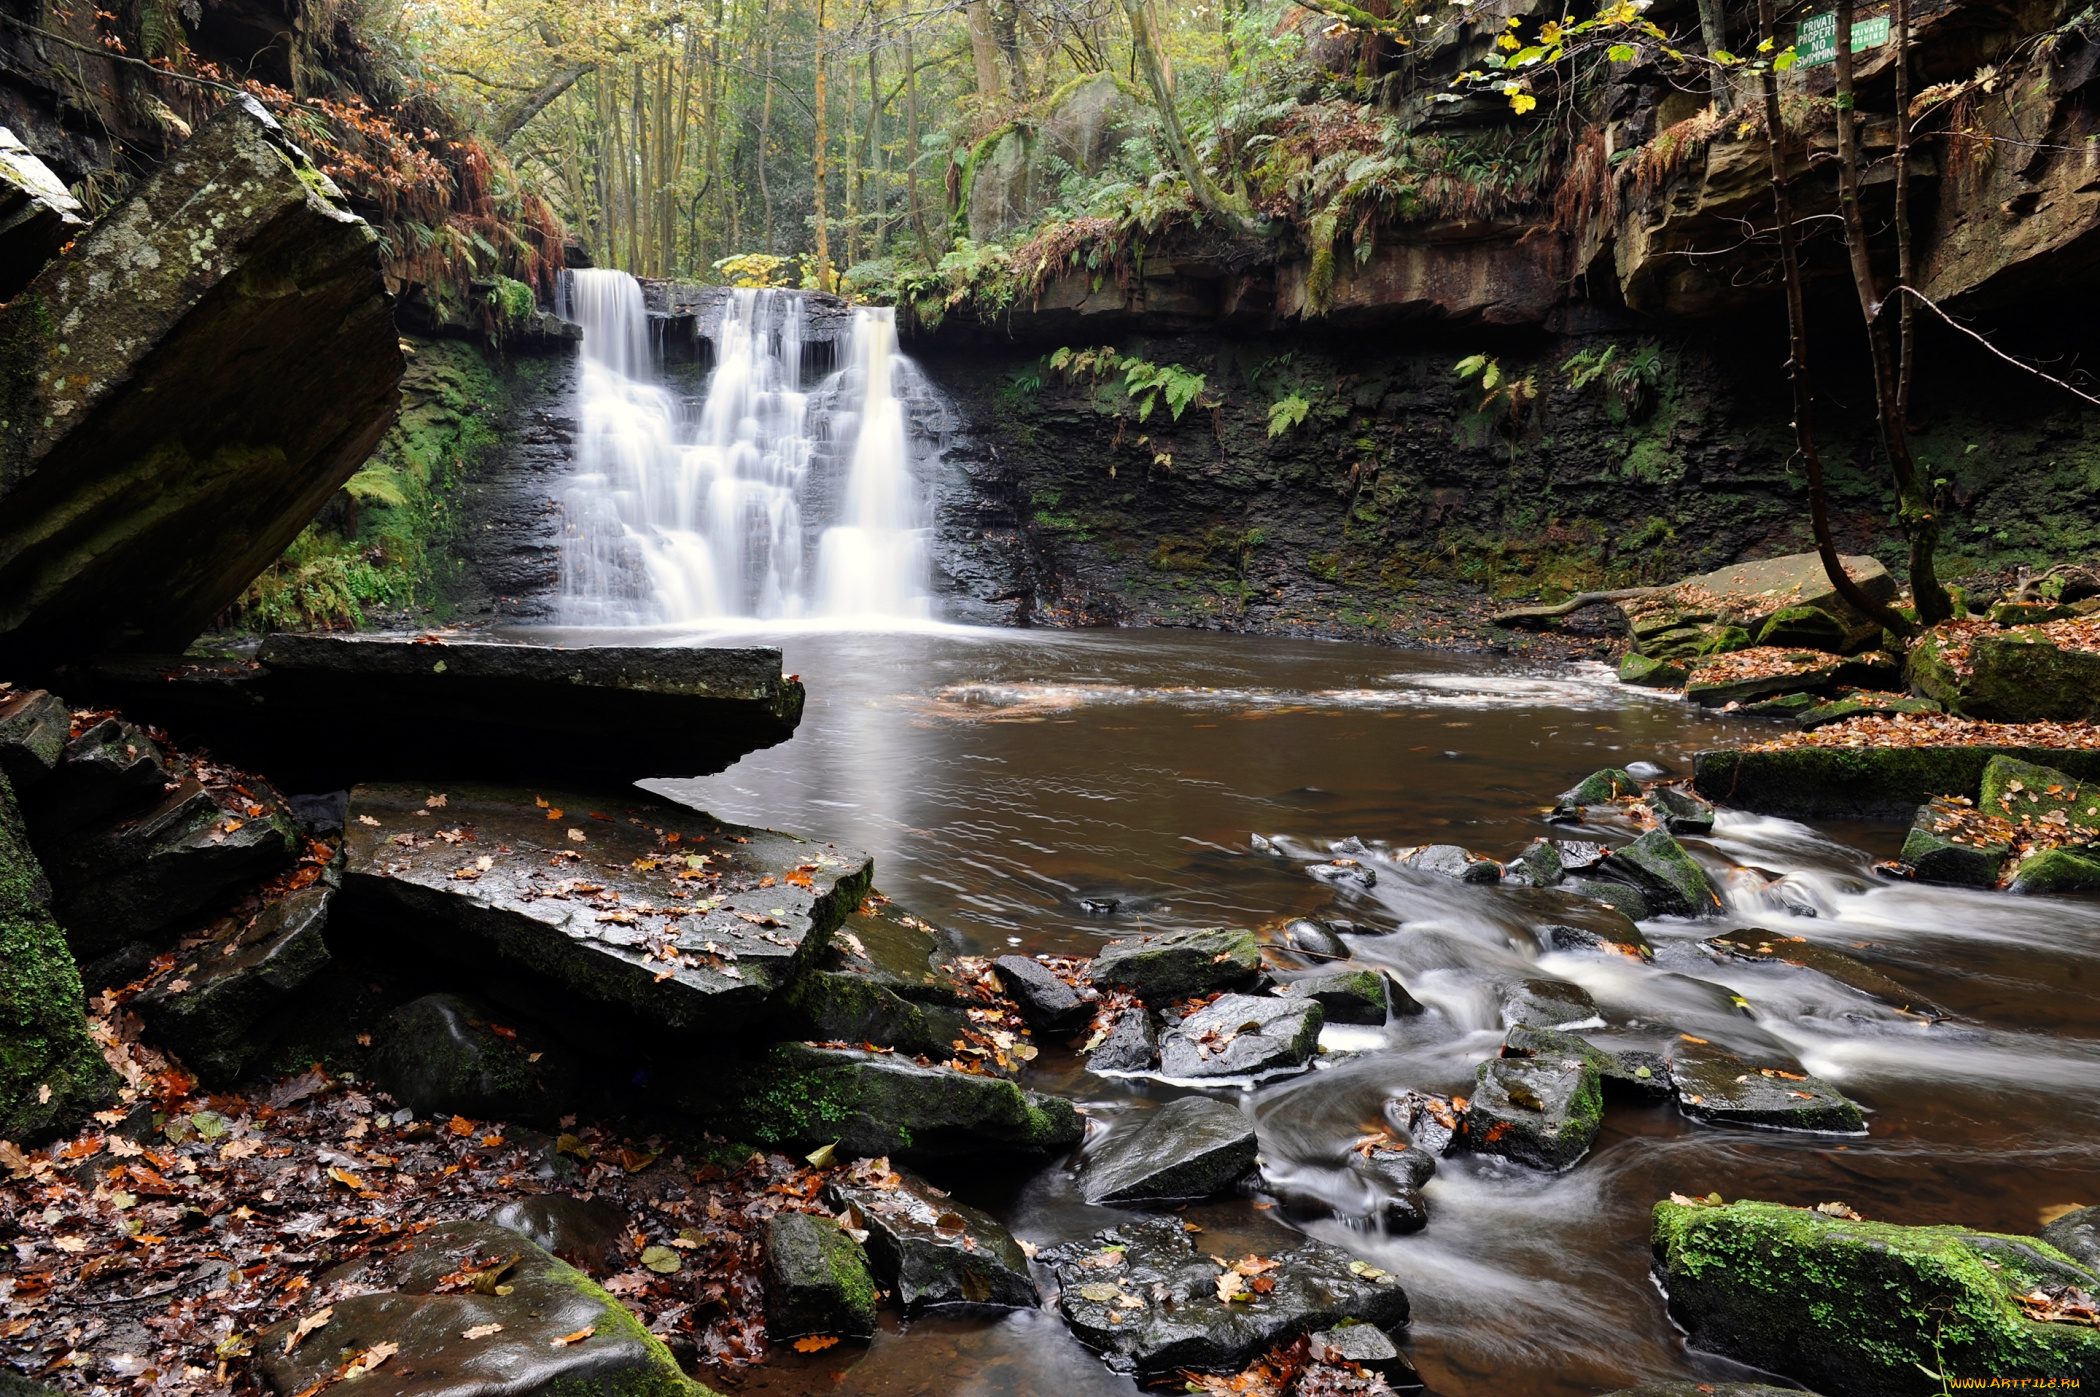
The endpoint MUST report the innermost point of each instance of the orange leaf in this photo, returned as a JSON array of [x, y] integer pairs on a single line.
[[346, 1178], [578, 1337], [460, 1125], [815, 1343]]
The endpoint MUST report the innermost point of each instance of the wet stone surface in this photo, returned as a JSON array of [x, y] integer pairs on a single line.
[[1132, 1045], [1719, 1087], [1758, 946], [1542, 1110], [1241, 1035], [1190, 1148], [1143, 1297], [930, 1249], [1177, 964]]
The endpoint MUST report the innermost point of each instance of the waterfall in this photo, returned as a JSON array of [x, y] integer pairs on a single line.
[[770, 502]]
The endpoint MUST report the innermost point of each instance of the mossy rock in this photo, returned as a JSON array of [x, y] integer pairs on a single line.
[[51, 1073], [1651, 673], [1819, 715], [1178, 964], [2015, 676], [1875, 782], [1784, 706], [2056, 871], [849, 1006], [2024, 791], [1811, 674], [1867, 1309], [1806, 628], [1601, 786], [817, 1280], [1935, 857], [445, 1054], [1542, 1110], [1671, 881]]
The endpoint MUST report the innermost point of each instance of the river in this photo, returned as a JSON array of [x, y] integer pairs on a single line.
[[1005, 780]]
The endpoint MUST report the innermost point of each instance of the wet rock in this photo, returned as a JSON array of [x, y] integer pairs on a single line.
[[930, 1250], [1618, 936], [1131, 1045], [1538, 866], [51, 1073], [1600, 787], [1433, 1123], [195, 377], [1667, 877], [600, 915], [319, 815], [1542, 1111], [1311, 938], [851, 1005], [38, 215], [113, 970], [1451, 861], [126, 883], [1682, 620], [1757, 946], [588, 1233], [34, 726], [1344, 872], [1048, 1004], [1814, 782], [2056, 871], [445, 1055], [800, 1097], [1788, 706], [603, 714], [1680, 813], [1806, 628], [817, 1280], [1858, 705], [1852, 1306], [1175, 965], [1368, 1347], [902, 953], [219, 1011], [1190, 1148], [1580, 855], [1639, 669], [1623, 898], [1722, 1088], [1241, 1035], [1352, 996], [111, 770], [548, 1300], [2077, 1235], [1400, 1174], [1934, 855], [1547, 1004], [1629, 1074], [1152, 1307]]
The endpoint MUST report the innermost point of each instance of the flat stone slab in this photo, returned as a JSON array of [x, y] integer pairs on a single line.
[[1541, 1110], [605, 715], [800, 1096], [640, 911], [216, 1011], [1634, 1074], [1758, 946], [1242, 1035], [548, 1300], [1149, 1303], [1721, 1088], [1178, 964], [1809, 782], [932, 1251], [1191, 1148]]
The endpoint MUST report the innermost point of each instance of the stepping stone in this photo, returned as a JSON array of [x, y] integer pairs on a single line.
[[1631, 1074], [1935, 855], [1680, 813], [622, 911], [1131, 1045], [1547, 1004], [930, 1250], [1176, 965], [1148, 1302], [1721, 1088], [1351, 996], [1757, 946], [603, 714], [547, 1300], [1242, 1035], [1542, 1111], [230, 999], [1617, 937], [799, 1097], [1401, 1174], [1538, 866], [817, 1280], [447, 1055], [1600, 787], [1310, 938], [1190, 1148], [1450, 861], [1048, 1004], [1667, 877]]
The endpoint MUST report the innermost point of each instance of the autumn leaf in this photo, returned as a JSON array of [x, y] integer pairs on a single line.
[[346, 1178], [307, 1326], [460, 1125], [576, 1338], [815, 1343], [661, 1260], [371, 1358], [481, 1331]]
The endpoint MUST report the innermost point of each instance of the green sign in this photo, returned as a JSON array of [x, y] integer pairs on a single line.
[[1816, 40]]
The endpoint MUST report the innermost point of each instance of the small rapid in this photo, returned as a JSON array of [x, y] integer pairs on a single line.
[[766, 500]]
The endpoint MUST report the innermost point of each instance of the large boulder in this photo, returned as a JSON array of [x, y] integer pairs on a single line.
[[51, 1074], [1717, 1086], [38, 214], [218, 1011], [1668, 878], [2023, 675], [800, 1096], [1018, 170], [817, 1280], [1243, 1035], [2077, 1235], [1149, 1303], [601, 714], [186, 387], [111, 769], [611, 908], [1940, 848], [881, 979], [1685, 618], [1809, 781], [1178, 964], [930, 1250], [1191, 1148], [1858, 1307], [1543, 1110], [540, 1327]]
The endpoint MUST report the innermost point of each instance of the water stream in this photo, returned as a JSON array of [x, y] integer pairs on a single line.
[[765, 498], [1002, 779]]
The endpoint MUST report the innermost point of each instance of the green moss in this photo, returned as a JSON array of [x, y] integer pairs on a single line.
[[1808, 782], [661, 1378], [1861, 1307], [51, 1073]]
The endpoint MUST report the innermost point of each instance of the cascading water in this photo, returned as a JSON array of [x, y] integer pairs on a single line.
[[772, 503]]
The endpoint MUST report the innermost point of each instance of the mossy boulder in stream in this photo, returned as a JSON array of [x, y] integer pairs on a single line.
[[1649, 673], [1809, 782], [801, 1096], [1667, 876], [2014, 676], [51, 1074], [2056, 871], [817, 1280], [2030, 793], [1177, 964], [1868, 1309], [1542, 1110], [1939, 851], [1690, 617]]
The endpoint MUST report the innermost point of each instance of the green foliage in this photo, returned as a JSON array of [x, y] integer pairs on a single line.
[[512, 300], [377, 483], [1629, 385], [1287, 412], [1147, 384], [1499, 391], [756, 269], [1094, 364]]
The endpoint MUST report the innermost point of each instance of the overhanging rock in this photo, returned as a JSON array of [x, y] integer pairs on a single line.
[[429, 709], [183, 390]]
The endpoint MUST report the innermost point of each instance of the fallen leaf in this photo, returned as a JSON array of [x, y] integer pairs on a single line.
[[821, 1157], [661, 1260], [371, 1358], [307, 1326], [238, 1149], [435, 802], [368, 820], [345, 1178], [481, 1331], [815, 1343], [578, 1337]]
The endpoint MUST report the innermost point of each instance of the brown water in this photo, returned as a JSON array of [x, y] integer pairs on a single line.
[[1002, 777]]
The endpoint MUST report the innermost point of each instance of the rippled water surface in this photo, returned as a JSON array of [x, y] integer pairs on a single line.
[[1002, 778]]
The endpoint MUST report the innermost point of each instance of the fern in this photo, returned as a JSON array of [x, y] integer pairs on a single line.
[[1287, 412], [376, 485]]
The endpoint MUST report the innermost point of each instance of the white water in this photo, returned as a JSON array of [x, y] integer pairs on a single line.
[[772, 503]]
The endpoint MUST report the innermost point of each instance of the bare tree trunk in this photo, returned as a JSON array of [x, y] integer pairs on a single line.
[[1920, 523], [823, 172], [1713, 31], [984, 50], [911, 140], [1907, 340], [1207, 193], [875, 202], [765, 131], [1797, 354]]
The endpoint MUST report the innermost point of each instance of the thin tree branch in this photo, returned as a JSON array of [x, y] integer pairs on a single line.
[[1928, 303]]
